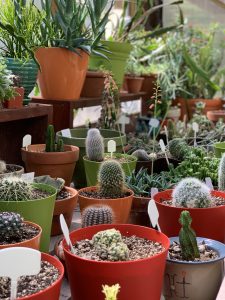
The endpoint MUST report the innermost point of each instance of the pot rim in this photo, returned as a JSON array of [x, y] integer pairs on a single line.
[[108, 199], [73, 191], [213, 244], [72, 147], [131, 158]]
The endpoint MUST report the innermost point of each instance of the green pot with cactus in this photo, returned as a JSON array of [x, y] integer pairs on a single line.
[[219, 149], [35, 202]]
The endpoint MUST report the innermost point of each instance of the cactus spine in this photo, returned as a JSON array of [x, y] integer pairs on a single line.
[[97, 214], [221, 174], [187, 238], [111, 179], [141, 155], [50, 139], [15, 189], [94, 145], [111, 292], [10, 225]]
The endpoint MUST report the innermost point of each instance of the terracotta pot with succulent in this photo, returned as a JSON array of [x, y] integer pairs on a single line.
[[54, 159], [17, 100], [7, 170], [117, 255], [15, 232], [194, 267], [66, 201], [110, 191], [35, 202], [6, 90]]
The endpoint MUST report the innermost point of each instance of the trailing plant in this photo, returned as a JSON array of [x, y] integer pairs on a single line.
[[15, 189], [111, 292], [96, 214], [187, 238], [51, 145], [10, 225], [94, 144], [221, 174]]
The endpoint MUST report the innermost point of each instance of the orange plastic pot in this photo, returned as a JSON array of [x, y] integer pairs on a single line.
[[55, 164], [62, 73], [139, 279], [66, 207], [52, 292], [33, 243], [207, 222], [121, 206], [134, 84], [17, 101]]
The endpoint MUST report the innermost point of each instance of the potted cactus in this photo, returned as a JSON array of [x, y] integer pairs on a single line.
[[35, 202], [95, 156], [110, 191], [194, 268], [10, 170], [52, 158], [17, 100], [15, 232]]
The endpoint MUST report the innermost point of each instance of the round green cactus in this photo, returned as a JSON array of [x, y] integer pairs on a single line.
[[97, 214], [118, 252], [178, 148], [141, 155], [15, 189], [10, 224], [94, 145], [107, 237]]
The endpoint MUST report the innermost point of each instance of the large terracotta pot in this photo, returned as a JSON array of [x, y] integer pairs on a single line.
[[62, 73], [93, 85], [121, 206], [207, 222], [134, 84], [139, 279], [139, 211], [66, 207], [33, 243], [55, 164], [17, 101]]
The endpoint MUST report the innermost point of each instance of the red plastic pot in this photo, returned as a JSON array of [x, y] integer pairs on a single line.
[[53, 291], [206, 222], [140, 279]]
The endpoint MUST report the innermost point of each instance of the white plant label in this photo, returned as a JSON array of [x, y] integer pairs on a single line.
[[123, 120], [111, 147], [153, 123], [153, 214], [163, 148], [27, 141], [195, 127], [167, 135], [66, 233], [28, 177], [66, 132], [154, 191], [19, 261], [208, 182]]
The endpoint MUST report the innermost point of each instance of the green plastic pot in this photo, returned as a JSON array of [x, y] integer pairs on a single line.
[[92, 167], [116, 62], [78, 136], [39, 211], [27, 71], [219, 149]]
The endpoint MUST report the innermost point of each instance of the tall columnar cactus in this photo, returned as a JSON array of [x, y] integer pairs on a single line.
[[191, 193], [141, 155], [97, 214], [111, 292], [10, 224], [187, 238], [94, 145], [178, 148], [15, 189], [50, 139], [60, 145], [111, 179], [2, 166], [221, 174]]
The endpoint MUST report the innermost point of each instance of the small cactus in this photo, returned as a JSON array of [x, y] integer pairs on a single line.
[[178, 148], [187, 238], [118, 252], [50, 139], [60, 145], [221, 174], [107, 237], [111, 292], [191, 193], [2, 166], [94, 145], [111, 179], [10, 225], [15, 189], [97, 214], [141, 155]]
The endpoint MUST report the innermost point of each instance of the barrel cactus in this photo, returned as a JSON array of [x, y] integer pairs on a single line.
[[15, 189], [141, 155], [187, 238], [111, 179], [178, 148], [221, 174], [191, 193], [94, 145], [10, 224], [97, 214]]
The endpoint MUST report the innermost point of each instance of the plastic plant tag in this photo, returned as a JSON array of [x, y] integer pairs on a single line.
[[163, 148], [123, 120], [167, 135], [111, 146], [153, 123], [27, 141], [66, 233], [153, 214], [28, 177], [16, 262], [195, 127], [66, 132], [154, 191], [208, 182]]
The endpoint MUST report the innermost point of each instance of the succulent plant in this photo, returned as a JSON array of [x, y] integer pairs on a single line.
[[2, 166], [94, 145], [97, 214], [191, 193], [178, 148], [107, 237], [51, 146], [10, 224], [111, 292], [15, 189], [111, 179], [187, 238], [221, 174], [141, 155], [118, 252], [57, 183]]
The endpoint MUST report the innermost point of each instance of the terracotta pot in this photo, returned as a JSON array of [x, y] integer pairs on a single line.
[[215, 115], [33, 243], [55, 164], [139, 212], [134, 84], [62, 73], [121, 206], [93, 85], [207, 222], [188, 106], [66, 207], [139, 279], [17, 101]]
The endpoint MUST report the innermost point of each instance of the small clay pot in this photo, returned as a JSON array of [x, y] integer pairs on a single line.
[[215, 115], [17, 101], [134, 84], [93, 85]]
